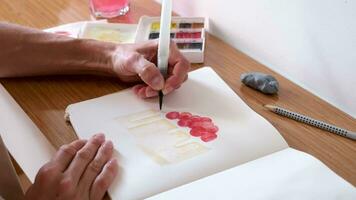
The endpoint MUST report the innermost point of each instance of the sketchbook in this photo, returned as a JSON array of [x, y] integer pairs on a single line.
[[206, 143]]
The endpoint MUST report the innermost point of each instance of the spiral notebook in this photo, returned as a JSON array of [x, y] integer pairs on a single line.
[[205, 144]]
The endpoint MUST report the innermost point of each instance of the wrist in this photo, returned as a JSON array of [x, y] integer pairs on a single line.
[[98, 56]]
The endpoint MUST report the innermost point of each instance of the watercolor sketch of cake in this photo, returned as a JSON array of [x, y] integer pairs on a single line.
[[171, 137]]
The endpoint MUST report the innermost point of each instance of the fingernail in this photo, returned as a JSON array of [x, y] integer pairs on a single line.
[[113, 161], [99, 136], [167, 90], [109, 145], [157, 83]]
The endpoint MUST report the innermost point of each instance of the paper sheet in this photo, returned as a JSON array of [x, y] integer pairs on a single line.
[[99, 30], [243, 135], [71, 29], [23, 139], [109, 32], [287, 174]]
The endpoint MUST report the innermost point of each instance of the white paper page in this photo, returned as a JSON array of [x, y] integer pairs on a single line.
[[287, 174], [25, 142], [243, 135], [71, 29]]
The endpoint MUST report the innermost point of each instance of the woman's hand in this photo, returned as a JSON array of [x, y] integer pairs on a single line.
[[38, 53], [80, 170], [134, 62]]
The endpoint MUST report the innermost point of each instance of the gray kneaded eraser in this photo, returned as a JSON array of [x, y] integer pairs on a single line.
[[259, 81]]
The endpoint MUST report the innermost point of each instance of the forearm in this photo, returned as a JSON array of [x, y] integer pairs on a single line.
[[28, 52]]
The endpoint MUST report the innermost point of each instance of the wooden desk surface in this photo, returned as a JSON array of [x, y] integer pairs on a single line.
[[45, 98]]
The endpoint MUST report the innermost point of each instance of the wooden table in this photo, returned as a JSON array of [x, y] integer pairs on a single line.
[[45, 98]]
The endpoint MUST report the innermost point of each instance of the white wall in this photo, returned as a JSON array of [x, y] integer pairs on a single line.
[[311, 42]]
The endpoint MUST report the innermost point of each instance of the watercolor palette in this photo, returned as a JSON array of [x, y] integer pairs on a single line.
[[109, 32], [187, 33]]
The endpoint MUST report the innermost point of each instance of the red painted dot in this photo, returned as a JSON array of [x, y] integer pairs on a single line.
[[212, 129], [185, 115], [201, 124], [195, 118], [172, 115], [196, 132], [193, 124], [205, 119], [189, 122], [207, 136], [183, 122]]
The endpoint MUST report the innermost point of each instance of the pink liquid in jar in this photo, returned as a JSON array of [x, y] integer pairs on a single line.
[[109, 8]]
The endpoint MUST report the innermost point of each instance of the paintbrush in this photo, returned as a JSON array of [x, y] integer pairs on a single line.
[[163, 42]]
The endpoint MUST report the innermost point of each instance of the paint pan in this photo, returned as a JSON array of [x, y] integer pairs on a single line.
[[187, 33]]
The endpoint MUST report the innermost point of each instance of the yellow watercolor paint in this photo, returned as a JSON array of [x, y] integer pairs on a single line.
[[109, 35], [155, 26]]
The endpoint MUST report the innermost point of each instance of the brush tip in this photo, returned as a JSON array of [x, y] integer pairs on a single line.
[[160, 95]]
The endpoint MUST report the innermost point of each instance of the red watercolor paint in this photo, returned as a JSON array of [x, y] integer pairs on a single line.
[[188, 35], [207, 136], [185, 115], [183, 35], [197, 132], [195, 118], [196, 35], [200, 126], [205, 119], [183, 123], [172, 115], [212, 129]]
